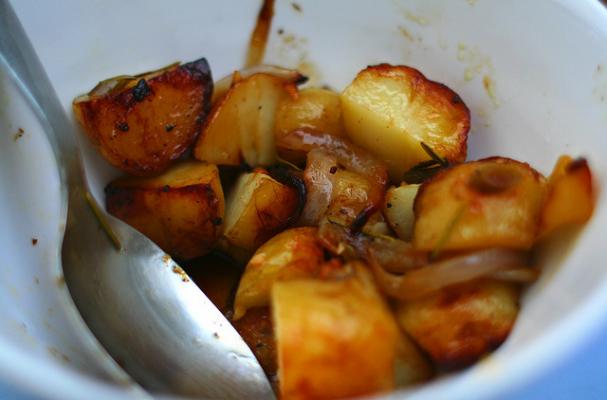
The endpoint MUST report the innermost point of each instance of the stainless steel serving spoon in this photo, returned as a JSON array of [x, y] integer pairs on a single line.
[[152, 319]]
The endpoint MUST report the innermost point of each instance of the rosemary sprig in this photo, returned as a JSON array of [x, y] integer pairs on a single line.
[[426, 169]]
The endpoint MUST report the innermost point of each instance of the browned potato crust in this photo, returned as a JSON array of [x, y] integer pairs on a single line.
[[145, 122], [495, 202], [460, 324], [389, 110], [181, 210]]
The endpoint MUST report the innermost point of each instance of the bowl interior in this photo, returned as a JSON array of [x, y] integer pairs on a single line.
[[534, 75]]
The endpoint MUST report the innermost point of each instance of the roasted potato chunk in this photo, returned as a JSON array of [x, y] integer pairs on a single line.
[[334, 338], [312, 108], [569, 195], [495, 202], [141, 124], [257, 208], [459, 324], [389, 110], [398, 209], [241, 125], [180, 210], [294, 253]]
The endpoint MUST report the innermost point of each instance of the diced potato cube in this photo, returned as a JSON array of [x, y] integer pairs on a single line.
[[313, 108], [294, 253], [141, 124], [257, 208], [398, 209], [495, 202], [389, 110], [334, 338], [241, 125], [180, 210], [569, 195], [458, 325]]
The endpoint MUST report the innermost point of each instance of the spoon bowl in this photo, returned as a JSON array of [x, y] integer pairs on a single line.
[[142, 307]]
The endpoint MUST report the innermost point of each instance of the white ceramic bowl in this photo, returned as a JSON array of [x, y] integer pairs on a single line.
[[548, 64]]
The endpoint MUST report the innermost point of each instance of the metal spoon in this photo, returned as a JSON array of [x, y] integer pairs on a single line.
[[154, 322]]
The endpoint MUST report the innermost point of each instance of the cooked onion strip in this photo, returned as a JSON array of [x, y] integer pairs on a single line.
[[519, 275], [394, 255], [319, 186], [348, 155], [222, 86], [426, 280]]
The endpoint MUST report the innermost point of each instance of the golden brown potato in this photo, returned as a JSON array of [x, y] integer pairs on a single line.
[[180, 210], [258, 333], [334, 338], [241, 125], [458, 325], [294, 253], [398, 209], [312, 108], [569, 195], [141, 124], [495, 202], [257, 208], [389, 110]]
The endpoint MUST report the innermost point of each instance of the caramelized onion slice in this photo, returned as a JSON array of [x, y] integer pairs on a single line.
[[319, 186], [426, 280], [394, 255], [348, 155], [222, 86], [518, 275]]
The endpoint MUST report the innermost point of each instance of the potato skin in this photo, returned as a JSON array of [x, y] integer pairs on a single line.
[[389, 110], [294, 253], [460, 324], [143, 127], [494, 202], [258, 207], [181, 211]]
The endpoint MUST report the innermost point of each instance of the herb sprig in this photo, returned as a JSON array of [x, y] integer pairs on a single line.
[[426, 169]]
